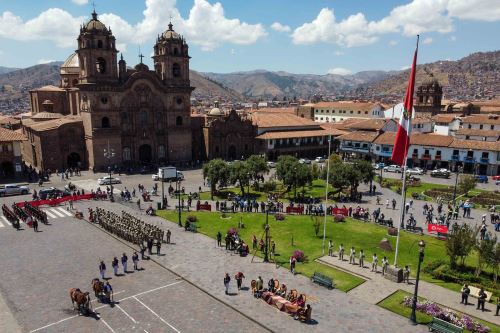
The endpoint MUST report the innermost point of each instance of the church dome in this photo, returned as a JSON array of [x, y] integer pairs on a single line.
[[170, 33], [95, 24], [71, 65], [215, 112], [46, 116]]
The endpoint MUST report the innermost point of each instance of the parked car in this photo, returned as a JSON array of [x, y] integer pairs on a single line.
[[52, 192], [305, 161], [443, 173], [107, 180], [393, 168], [481, 178], [415, 171], [13, 189], [180, 176], [378, 166], [319, 159], [271, 164], [496, 177]]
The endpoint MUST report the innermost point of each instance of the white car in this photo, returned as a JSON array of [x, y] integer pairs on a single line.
[[271, 164], [107, 180], [13, 189], [305, 161], [415, 171], [319, 159], [155, 177], [393, 168]]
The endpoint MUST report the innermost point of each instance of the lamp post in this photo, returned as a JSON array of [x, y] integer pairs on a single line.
[[326, 191], [178, 186], [458, 170], [266, 228], [413, 316], [295, 183], [109, 153]]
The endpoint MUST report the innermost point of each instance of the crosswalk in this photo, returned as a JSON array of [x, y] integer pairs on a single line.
[[52, 213]]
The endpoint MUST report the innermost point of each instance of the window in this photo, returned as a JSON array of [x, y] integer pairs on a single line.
[[178, 101], [351, 111], [126, 154], [246, 147], [178, 121], [105, 122], [176, 51], [377, 148], [176, 70], [366, 112], [415, 151], [104, 100], [438, 152], [481, 126], [144, 117], [492, 127], [467, 137], [365, 145], [426, 152], [359, 112], [161, 151], [455, 152], [100, 65], [99, 44], [470, 126], [485, 155]]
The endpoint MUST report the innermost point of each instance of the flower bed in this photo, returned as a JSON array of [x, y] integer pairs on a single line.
[[486, 199], [435, 310], [299, 255]]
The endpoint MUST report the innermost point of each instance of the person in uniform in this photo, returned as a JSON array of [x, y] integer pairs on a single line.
[[341, 252], [102, 269], [465, 294], [135, 260], [374, 262], [114, 264], [168, 236], [124, 262], [352, 256], [361, 258], [481, 299]]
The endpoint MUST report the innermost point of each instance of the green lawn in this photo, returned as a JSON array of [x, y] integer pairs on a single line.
[[361, 235], [316, 190], [394, 303]]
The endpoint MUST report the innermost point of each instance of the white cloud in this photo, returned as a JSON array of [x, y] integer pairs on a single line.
[[339, 53], [339, 71], [427, 41], [393, 42], [276, 26], [80, 2], [206, 26], [44, 61], [416, 17]]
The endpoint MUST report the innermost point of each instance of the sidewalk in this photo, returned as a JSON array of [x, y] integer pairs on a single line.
[[196, 258], [376, 288]]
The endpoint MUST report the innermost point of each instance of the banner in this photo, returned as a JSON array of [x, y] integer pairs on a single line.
[[55, 202], [340, 211], [437, 228]]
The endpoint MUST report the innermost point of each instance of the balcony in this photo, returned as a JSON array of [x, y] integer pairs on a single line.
[[426, 157], [469, 159], [484, 160], [455, 158], [414, 155], [437, 158]]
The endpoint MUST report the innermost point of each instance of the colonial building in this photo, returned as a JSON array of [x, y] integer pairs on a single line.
[[106, 113], [341, 110], [10, 153]]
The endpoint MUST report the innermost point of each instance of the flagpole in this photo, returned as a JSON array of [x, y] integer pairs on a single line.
[[406, 146], [326, 190]]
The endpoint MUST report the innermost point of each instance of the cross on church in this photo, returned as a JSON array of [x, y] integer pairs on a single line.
[[141, 56]]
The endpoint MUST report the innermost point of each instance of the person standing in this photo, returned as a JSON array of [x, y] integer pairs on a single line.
[[341, 252], [35, 225], [465, 294], [102, 269], [150, 246], [239, 279], [498, 306], [135, 260], [124, 263], [406, 274], [114, 264], [393, 204], [387, 204], [158, 247], [481, 299], [330, 248], [108, 291], [219, 239], [352, 254], [292, 264], [385, 264], [361, 258], [169, 234], [227, 279], [374, 262]]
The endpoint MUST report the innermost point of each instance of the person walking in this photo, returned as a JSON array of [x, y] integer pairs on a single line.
[[352, 254], [169, 234], [239, 279], [374, 262], [387, 204], [108, 292], [393, 204], [341, 252], [114, 264], [385, 264], [465, 295], [292, 264], [135, 260], [124, 263], [35, 225], [330, 248], [150, 246], [158, 247], [361, 259], [227, 279], [102, 269]]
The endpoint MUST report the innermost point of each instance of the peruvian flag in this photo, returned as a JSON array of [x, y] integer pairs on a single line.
[[402, 142]]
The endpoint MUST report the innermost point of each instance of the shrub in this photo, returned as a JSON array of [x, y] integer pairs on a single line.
[[279, 216], [268, 186], [299, 255], [339, 218], [191, 218]]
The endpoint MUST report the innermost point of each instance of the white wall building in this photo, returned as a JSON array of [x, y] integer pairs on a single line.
[[338, 111]]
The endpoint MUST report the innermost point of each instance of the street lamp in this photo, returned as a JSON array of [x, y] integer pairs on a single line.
[[413, 316], [458, 170], [109, 154], [266, 228], [178, 186]]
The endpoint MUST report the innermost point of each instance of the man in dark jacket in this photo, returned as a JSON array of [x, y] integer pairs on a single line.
[[465, 294]]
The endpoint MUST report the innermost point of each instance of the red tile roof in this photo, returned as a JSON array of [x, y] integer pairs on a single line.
[[360, 136], [482, 119], [7, 135], [435, 140], [475, 145], [278, 119], [478, 132]]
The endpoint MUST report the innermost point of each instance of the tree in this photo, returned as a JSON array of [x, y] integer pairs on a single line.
[[239, 174], [485, 251], [315, 171], [256, 165], [460, 242], [216, 172], [366, 171], [494, 262], [292, 173], [345, 175], [466, 183]]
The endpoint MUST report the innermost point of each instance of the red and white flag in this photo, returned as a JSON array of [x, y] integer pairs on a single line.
[[402, 142]]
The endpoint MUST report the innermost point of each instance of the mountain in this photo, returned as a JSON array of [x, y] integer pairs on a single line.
[[4, 70], [266, 84], [16, 84], [476, 76]]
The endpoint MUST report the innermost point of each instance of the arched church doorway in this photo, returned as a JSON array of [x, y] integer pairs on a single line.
[[145, 154], [73, 160], [231, 153], [6, 170]]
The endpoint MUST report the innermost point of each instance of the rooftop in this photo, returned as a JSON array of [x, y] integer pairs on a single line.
[[386, 138], [444, 118], [482, 119], [299, 134], [280, 119], [360, 136], [475, 145], [53, 124], [7, 135], [368, 124], [431, 139], [478, 132]]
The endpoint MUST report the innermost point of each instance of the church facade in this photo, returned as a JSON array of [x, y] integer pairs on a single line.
[[104, 113]]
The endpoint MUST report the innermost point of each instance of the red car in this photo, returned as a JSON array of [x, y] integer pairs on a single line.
[[496, 177]]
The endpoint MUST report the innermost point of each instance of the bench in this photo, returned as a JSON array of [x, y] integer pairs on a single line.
[[322, 280], [474, 292], [442, 326]]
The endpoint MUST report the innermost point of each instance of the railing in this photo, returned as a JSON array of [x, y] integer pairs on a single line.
[[437, 157], [485, 160], [426, 157], [469, 159], [415, 155], [455, 158]]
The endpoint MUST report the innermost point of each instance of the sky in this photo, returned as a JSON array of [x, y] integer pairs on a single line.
[[308, 36]]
